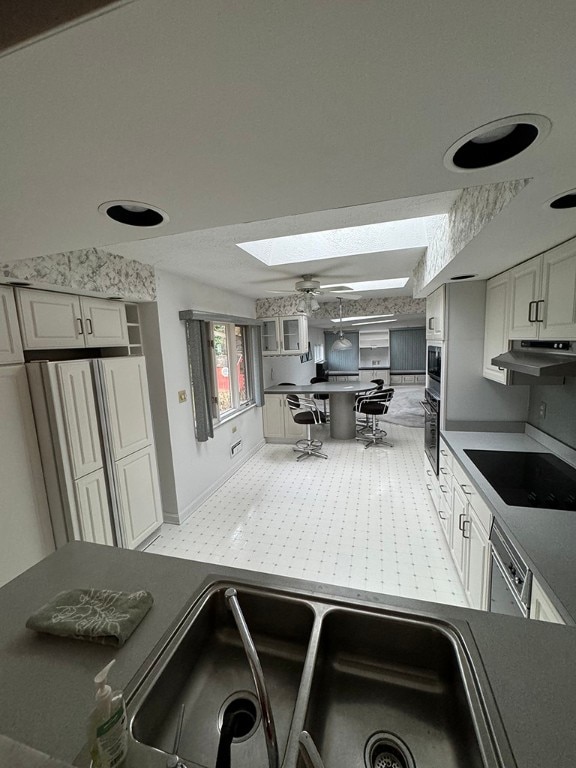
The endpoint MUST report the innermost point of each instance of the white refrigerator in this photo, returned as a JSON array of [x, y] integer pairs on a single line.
[[97, 447]]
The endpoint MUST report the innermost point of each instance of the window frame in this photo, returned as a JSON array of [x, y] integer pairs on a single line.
[[238, 406]]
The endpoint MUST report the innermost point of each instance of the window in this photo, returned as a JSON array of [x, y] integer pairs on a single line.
[[231, 369]]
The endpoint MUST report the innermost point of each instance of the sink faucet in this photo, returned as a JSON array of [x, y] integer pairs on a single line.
[[231, 596], [308, 750]]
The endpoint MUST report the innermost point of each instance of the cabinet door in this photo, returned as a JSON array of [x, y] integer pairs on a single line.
[[80, 417], [139, 496], [476, 580], [93, 509], [292, 428], [10, 344], [125, 389], [541, 607], [26, 533], [49, 320], [459, 540], [524, 293], [557, 311], [104, 322], [496, 326], [291, 335], [435, 315], [273, 413], [270, 337]]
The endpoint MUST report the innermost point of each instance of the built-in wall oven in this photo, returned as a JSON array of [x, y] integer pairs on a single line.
[[510, 577], [431, 405], [434, 367]]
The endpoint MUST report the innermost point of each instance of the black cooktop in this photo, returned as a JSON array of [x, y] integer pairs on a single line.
[[539, 480]]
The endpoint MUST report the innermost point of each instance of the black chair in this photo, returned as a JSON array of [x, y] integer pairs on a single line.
[[374, 404], [305, 411], [362, 426], [324, 398]]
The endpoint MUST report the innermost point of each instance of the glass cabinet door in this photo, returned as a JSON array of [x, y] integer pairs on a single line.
[[270, 337], [290, 334]]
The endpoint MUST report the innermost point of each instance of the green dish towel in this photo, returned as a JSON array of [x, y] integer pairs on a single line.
[[98, 615]]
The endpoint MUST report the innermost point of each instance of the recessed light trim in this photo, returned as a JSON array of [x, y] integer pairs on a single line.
[[134, 214], [564, 201], [496, 142], [463, 277], [362, 317]]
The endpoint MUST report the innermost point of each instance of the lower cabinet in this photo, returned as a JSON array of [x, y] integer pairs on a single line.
[[278, 421], [139, 496], [541, 607], [93, 508]]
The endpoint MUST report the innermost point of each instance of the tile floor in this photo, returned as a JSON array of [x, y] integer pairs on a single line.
[[360, 519]]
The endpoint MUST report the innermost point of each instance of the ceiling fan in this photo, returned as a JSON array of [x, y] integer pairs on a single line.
[[309, 287]]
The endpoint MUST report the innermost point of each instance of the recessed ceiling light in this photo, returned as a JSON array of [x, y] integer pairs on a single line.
[[564, 201], [133, 213], [371, 285], [375, 322], [496, 142], [463, 277], [361, 317], [347, 241]]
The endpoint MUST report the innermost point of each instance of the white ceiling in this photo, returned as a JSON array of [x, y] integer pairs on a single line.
[[228, 113]]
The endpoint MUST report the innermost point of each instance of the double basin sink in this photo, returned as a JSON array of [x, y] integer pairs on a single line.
[[373, 688]]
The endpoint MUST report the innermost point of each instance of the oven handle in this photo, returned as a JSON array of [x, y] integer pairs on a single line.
[[524, 607], [427, 408]]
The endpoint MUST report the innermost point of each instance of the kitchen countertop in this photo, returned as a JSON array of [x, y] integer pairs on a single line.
[[47, 689], [545, 537]]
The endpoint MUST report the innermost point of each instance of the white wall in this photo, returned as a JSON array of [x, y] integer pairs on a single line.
[[289, 368], [468, 396], [197, 469]]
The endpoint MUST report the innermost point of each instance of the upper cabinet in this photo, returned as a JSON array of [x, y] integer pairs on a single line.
[[10, 344], [435, 315], [59, 320], [285, 335], [543, 296], [496, 326]]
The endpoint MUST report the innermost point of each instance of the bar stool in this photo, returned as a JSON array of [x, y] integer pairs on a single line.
[[373, 405], [362, 426], [305, 411], [323, 397]]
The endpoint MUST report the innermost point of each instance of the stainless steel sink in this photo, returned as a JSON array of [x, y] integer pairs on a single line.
[[207, 671], [373, 687], [388, 691]]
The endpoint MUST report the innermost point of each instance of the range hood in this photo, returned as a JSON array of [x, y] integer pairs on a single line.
[[539, 358]]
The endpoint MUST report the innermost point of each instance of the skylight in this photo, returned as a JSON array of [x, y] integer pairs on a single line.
[[362, 317], [348, 241], [371, 285]]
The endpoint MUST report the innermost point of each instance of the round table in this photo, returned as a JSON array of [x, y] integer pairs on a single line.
[[342, 399]]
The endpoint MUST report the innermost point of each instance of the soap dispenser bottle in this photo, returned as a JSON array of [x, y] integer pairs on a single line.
[[108, 725]]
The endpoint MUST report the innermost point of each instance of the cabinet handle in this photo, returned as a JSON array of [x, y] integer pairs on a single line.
[[464, 486], [431, 324], [429, 472], [443, 488], [89, 326], [429, 487], [463, 532], [460, 518], [441, 516], [530, 305], [443, 471], [538, 318], [80, 326], [443, 452]]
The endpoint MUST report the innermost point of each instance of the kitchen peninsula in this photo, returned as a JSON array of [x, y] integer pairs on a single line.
[[38, 669]]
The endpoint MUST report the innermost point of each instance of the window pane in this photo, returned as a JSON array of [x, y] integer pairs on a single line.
[[243, 393], [223, 388]]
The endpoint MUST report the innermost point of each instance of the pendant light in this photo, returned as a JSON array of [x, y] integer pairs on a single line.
[[341, 342]]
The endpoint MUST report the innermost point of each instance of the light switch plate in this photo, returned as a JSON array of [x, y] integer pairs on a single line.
[[182, 396]]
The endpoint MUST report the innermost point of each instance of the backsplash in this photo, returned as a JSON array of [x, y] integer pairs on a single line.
[[560, 419], [90, 269], [472, 210]]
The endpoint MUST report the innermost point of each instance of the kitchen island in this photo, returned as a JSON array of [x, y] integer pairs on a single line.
[[47, 681]]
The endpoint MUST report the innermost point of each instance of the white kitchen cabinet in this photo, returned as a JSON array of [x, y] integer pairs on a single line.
[[460, 538], [93, 508], [79, 413], [435, 306], [10, 344], [50, 320], [366, 376], [138, 496], [285, 335], [496, 326], [541, 607], [26, 532], [128, 402], [476, 582], [543, 296], [278, 421]]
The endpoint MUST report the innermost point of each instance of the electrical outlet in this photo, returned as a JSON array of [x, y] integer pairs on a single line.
[[542, 410], [182, 396]]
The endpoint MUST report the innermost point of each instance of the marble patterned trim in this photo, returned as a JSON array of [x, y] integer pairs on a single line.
[[472, 210], [398, 305], [90, 269]]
